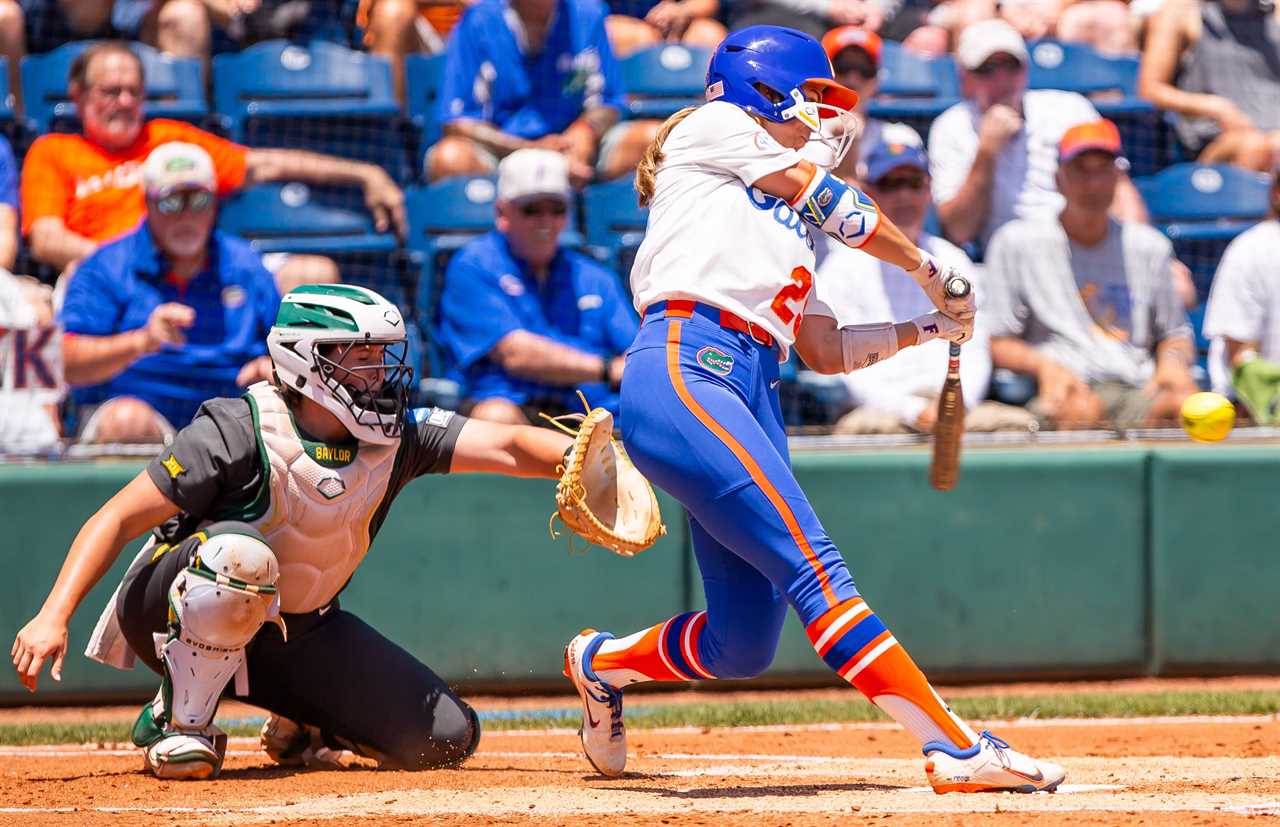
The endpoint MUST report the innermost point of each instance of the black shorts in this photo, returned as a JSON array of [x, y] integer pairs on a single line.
[[336, 672]]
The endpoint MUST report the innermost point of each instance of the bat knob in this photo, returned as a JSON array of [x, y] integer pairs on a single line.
[[957, 287]]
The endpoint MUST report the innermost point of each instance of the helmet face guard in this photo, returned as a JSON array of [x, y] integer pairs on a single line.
[[834, 129], [375, 395]]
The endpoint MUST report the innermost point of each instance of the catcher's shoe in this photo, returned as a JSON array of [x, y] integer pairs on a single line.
[[291, 744], [990, 765], [604, 735], [178, 754]]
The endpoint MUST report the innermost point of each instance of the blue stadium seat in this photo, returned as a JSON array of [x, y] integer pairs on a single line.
[[662, 80], [423, 75], [7, 115], [443, 217], [1111, 82], [615, 223], [1201, 208], [288, 218], [296, 218], [175, 87], [323, 97], [914, 89]]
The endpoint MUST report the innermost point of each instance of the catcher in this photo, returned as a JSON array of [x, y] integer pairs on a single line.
[[260, 511]]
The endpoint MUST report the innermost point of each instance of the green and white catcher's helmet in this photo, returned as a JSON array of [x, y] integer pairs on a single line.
[[311, 343]]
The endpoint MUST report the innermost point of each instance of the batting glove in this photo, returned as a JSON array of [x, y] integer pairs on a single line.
[[932, 276], [938, 325]]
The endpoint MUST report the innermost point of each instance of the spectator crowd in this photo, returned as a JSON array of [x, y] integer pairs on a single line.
[[123, 305]]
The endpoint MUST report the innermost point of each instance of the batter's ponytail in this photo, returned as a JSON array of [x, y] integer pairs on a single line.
[[648, 166]]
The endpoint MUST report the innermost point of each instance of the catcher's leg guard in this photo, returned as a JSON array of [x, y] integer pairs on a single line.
[[216, 605]]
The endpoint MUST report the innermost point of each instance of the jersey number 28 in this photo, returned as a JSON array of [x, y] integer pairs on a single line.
[[790, 301]]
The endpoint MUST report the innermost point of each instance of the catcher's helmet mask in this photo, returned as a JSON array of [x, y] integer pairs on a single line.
[[316, 347], [376, 394]]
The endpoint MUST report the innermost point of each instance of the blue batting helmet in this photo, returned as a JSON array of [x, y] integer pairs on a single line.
[[780, 59]]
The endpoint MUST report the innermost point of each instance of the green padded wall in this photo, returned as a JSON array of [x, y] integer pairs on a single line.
[[1112, 561], [1216, 556]]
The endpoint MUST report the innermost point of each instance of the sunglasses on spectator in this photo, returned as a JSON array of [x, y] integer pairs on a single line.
[[901, 182], [552, 208], [195, 200], [990, 67], [117, 92], [862, 68]]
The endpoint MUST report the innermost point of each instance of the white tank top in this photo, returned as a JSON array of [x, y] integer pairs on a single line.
[[714, 238]]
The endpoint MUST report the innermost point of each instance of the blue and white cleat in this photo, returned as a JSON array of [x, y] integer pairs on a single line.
[[989, 766], [604, 735]]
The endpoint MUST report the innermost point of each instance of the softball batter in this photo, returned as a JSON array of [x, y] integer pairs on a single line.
[[261, 510], [722, 279]]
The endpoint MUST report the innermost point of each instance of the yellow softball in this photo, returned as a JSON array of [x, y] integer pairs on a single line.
[[1207, 417]]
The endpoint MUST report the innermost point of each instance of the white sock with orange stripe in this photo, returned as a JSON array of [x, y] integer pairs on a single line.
[[665, 652], [853, 642]]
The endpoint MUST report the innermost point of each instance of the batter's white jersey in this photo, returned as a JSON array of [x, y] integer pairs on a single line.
[[714, 238]]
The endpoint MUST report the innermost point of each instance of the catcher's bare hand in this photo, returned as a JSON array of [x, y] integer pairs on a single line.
[[43, 638]]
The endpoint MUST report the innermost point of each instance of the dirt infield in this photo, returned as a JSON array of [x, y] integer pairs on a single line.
[[1189, 771]]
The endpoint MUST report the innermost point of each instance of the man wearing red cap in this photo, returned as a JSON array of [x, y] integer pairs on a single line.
[[1085, 304], [855, 57]]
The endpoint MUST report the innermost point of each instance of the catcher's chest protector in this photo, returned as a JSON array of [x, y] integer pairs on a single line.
[[318, 519]]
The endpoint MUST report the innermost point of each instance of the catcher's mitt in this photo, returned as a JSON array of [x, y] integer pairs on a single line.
[[601, 496]]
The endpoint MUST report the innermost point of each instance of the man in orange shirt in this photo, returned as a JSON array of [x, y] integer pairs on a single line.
[[81, 190]]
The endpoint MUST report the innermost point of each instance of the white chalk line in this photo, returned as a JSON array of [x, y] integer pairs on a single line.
[[882, 726]]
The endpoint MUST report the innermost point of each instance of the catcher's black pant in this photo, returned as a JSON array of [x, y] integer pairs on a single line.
[[336, 672]]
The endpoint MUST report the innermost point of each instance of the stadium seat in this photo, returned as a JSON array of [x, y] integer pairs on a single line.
[[296, 218], [175, 88], [423, 75], [1111, 82], [7, 114], [322, 97], [914, 89], [288, 218], [662, 80], [1201, 208], [443, 217], [615, 223]]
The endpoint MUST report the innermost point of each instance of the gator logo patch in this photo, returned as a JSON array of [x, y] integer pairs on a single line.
[[173, 467], [716, 361]]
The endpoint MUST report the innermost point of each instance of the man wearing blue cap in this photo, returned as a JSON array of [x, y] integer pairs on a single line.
[[897, 395]]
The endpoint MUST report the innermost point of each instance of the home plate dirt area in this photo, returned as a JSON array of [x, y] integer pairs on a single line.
[[1157, 771]]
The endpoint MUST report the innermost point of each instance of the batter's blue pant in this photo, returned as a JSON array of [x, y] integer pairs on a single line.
[[701, 420]]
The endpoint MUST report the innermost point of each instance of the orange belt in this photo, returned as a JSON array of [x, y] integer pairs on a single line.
[[683, 309]]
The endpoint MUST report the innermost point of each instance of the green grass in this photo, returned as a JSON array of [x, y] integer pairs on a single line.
[[649, 712]]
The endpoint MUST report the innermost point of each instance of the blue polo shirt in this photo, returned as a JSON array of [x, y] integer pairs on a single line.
[[8, 175], [235, 300], [489, 293], [488, 78]]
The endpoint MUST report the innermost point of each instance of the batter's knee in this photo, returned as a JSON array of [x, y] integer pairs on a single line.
[[447, 735], [745, 657]]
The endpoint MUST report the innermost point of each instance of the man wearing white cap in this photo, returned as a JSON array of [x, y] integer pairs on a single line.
[[524, 321], [993, 156], [166, 315]]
